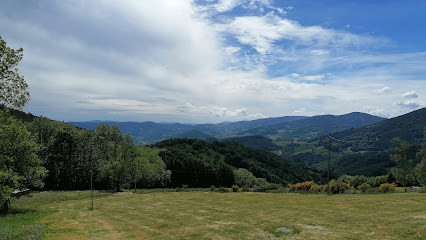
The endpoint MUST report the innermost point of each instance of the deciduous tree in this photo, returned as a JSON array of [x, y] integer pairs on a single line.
[[13, 88]]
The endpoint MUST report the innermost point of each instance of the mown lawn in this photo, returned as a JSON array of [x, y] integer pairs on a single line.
[[213, 215]]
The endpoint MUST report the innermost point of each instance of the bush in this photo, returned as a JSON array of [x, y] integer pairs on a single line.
[[212, 188], [358, 180], [304, 186], [387, 187], [364, 187], [308, 186], [222, 190], [235, 188], [335, 187], [246, 189]]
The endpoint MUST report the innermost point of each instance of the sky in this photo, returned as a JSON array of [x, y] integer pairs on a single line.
[[194, 61]]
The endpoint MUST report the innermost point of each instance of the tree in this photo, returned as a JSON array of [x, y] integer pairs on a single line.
[[403, 172], [146, 167], [13, 88], [20, 166], [244, 178], [421, 166]]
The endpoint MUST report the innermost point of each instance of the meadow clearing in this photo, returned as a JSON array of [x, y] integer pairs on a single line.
[[214, 215]]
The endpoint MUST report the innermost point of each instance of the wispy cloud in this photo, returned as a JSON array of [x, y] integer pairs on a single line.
[[262, 32]]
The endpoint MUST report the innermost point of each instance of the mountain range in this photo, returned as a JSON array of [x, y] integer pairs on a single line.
[[287, 127]]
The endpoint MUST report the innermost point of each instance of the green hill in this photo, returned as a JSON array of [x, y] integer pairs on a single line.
[[183, 155]]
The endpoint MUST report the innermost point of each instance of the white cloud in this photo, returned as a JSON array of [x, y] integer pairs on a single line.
[[313, 77], [320, 52], [411, 94], [216, 113], [227, 5], [382, 90], [232, 50], [262, 32], [411, 104]]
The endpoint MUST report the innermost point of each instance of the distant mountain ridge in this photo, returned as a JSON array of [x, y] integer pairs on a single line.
[[316, 126], [287, 127], [151, 132]]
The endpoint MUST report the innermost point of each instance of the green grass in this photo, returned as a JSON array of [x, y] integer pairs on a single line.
[[23, 219], [213, 215]]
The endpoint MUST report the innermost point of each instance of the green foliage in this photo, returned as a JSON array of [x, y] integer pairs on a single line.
[[421, 166], [147, 168], [364, 187], [387, 187], [5, 195], [336, 187], [235, 188], [355, 181], [198, 163], [403, 171], [20, 166], [245, 178], [13, 88]]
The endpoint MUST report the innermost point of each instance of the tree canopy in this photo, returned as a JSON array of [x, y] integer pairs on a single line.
[[13, 88]]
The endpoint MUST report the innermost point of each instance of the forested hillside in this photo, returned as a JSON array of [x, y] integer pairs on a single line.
[[183, 156]]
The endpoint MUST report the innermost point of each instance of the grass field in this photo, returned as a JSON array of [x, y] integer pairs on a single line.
[[213, 215]]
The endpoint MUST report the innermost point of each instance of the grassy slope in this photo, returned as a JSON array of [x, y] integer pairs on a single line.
[[210, 215]]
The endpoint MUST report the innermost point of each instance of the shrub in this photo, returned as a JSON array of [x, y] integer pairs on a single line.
[[222, 190], [235, 188], [387, 187], [304, 186], [358, 180], [308, 186], [335, 187], [364, 187], [212, 188]]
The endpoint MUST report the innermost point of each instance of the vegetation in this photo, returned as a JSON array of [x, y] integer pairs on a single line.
[[13, 88], [364, 187], [404, 171], [213, 215], [202, 164], [387, 187], [421, 166]]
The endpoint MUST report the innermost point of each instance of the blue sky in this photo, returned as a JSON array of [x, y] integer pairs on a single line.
[[218, 60]]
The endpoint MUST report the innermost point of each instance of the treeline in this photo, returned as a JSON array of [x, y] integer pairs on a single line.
[[70, 155]]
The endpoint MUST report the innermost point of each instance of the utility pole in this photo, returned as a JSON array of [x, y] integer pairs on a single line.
[[329, 146]]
